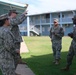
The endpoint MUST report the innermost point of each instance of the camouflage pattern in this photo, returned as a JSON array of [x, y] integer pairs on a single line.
[[17, 56], [72, 49], [14, 22], [6, 47], [56, 34], [3, 16]]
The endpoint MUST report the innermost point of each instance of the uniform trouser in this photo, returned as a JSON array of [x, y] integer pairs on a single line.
[[7, 65], [17, 45], [71, 53], [17, 57], [56, 47]]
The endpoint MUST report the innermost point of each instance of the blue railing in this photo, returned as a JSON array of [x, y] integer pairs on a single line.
[[45, 20], [66, 19], [38, 21]]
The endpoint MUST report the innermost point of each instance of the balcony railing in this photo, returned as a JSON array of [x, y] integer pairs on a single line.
[[38, 21], [45, 20], [35, 22], [66, 19]]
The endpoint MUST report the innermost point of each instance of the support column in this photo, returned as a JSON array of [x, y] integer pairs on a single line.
[[28, 26], [50, 20], [73, 13], [60, 19], [40, 26]]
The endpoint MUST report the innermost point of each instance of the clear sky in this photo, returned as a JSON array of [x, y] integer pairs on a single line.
[[41, 6]]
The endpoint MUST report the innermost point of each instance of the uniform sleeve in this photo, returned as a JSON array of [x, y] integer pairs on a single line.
[[61, 33], [74, 33], [17, 21], [50, 32], [8, 41]]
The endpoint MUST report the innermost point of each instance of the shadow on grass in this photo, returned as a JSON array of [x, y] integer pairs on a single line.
[[42, 65]]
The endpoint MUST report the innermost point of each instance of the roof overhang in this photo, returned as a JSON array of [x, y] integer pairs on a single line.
[[14, 4]]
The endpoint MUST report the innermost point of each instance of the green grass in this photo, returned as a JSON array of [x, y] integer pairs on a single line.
[[40, 57], [0, 72]]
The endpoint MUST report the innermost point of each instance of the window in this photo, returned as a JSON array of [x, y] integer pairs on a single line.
[[62, 16], [58, 16], [47, 15]]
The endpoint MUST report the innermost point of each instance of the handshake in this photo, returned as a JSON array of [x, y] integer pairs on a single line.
[[70, 35]]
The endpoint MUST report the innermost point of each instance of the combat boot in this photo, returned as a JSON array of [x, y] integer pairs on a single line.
[[57, 62], [65, 68]]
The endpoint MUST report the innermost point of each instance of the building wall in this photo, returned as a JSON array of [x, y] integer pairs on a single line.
[[44, 21], [23, 28]]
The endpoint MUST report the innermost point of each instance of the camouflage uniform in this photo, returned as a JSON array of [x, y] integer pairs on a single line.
[[14, 22], [6, 47], [72, 49], [56, 34]]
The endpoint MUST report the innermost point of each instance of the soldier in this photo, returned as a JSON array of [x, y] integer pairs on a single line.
[[72, 49], [56, 34], [7, 47], [14, 22]]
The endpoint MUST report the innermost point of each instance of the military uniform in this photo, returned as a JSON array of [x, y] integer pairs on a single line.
[[72, 49], [56, 34], [7, 65], [14, 22]]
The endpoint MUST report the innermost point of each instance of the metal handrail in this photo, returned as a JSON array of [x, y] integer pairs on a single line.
[[34, 29]]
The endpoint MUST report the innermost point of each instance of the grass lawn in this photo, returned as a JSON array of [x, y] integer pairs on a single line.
[[40, 57]]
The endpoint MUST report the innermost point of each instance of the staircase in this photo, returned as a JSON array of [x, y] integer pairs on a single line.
[[34, 30]]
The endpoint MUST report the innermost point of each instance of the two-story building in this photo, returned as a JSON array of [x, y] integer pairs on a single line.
[[39, 24]]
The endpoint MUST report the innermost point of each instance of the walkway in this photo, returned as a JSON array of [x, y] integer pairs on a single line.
[[23, 69]]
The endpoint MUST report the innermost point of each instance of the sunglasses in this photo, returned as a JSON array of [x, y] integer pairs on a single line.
[[55, 22]]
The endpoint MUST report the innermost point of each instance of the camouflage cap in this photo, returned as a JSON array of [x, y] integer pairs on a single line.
[[55, 19], [13, 11], [4, 16], [74, 17]]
